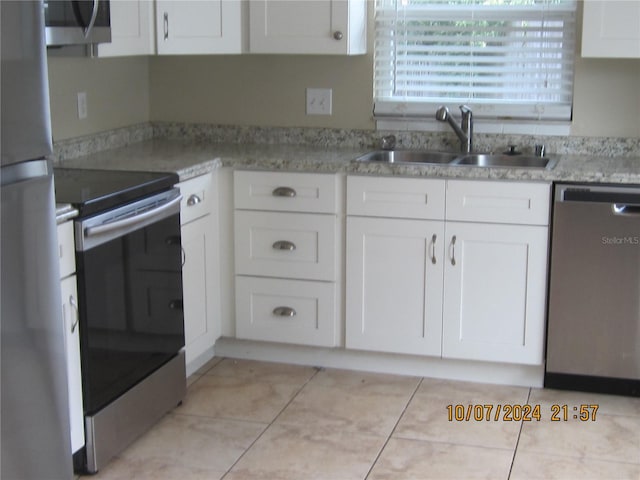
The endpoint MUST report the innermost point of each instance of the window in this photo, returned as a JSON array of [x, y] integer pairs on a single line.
[[504, 58]]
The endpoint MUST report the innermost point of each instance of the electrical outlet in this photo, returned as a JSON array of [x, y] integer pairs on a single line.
[[319, 101], [82, 105]]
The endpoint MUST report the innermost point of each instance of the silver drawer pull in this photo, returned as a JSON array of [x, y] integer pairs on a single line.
[[433, 248], [284, 245], [284, 312], [193, 200], [453, 251], [284, 192], [76, 314]]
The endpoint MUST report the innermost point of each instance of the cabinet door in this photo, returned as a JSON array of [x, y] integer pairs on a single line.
[[197, 272], [611, 29], [308, 26], [394, 285], [199, 26], [132, 29], [494, 292], [72, 344]]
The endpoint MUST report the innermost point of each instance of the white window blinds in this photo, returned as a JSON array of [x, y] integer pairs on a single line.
[[504, 58]]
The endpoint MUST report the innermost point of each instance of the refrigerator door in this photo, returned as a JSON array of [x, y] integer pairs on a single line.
[[26, 128], [35, 438], [34, 432]]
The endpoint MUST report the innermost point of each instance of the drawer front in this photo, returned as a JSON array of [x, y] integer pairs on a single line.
[[498, 202], [66, 249], [282, 191], [286, 311], [396, 197], [289, 245], [196, 197]]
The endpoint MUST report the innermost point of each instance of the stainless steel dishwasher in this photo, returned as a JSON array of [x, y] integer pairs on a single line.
[[593, 335]]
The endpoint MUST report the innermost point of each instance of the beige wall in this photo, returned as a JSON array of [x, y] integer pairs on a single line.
[[606, 98], [117, 94], [261, 90], [269, 90]]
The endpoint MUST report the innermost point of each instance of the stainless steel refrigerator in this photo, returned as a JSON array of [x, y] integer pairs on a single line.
[[35, 441]]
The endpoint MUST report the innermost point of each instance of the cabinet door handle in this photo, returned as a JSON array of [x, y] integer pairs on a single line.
[[284, 245], [433, 248], [166, 25], [337, 35], [284, 312], [453, 250], [74, 307], [284, 192], [193, 200]]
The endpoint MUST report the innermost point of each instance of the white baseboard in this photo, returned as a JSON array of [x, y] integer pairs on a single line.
[[473, 371]]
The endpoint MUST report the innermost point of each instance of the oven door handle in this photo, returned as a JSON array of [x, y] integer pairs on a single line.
[[127, 222]]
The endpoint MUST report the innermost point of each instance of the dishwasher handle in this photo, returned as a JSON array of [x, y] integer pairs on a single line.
[[626, 210]]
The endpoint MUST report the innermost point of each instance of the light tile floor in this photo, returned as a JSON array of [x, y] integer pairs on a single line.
[[243, 419]]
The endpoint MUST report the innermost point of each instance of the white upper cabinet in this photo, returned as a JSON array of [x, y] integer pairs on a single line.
[[336, 27], [200, 26], [132, 29], [611, 28]]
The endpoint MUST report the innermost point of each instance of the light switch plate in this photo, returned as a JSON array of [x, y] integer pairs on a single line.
[[319, 101]]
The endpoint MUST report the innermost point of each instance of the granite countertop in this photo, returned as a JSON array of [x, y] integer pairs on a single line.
[[189, 159]]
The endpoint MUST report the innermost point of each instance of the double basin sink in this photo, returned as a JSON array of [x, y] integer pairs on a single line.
[[470, 159]]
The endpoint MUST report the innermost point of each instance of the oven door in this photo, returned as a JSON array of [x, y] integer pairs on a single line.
[[130, 295]]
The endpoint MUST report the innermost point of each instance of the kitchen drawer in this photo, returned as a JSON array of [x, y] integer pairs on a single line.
[[286, 311], [498, 202], [419, 198], [290, 245], [66, 249], [196, 197], [285, 192]]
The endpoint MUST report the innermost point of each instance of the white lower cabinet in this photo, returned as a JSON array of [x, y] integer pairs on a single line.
[[286, 232], [70, 324], [72, 344], [494, 292], [394, 285], [437, 286], [198, 271], [288, 311]]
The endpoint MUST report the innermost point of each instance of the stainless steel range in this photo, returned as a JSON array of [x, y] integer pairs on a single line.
[[129, 266]]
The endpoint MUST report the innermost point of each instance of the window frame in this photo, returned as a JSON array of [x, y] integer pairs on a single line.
[[392, 110]]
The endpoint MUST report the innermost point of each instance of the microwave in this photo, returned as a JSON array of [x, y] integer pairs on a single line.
[[77, 22]]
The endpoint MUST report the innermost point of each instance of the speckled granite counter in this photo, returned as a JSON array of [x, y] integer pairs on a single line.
[[190, 159]]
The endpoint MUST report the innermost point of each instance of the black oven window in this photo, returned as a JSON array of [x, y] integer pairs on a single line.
[[131, 304]]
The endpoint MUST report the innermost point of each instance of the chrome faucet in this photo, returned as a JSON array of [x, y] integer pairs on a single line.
[[465, 134]]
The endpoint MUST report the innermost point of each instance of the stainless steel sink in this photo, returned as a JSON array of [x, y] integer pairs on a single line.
[[512, 161], [461, 159], [407, 156]]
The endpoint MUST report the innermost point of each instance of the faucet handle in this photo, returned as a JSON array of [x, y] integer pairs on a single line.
[[388, 142], [465, 109]]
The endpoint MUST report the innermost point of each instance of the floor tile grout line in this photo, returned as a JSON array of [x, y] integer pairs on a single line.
[[375, 460], [293, 397], [515, 449]]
